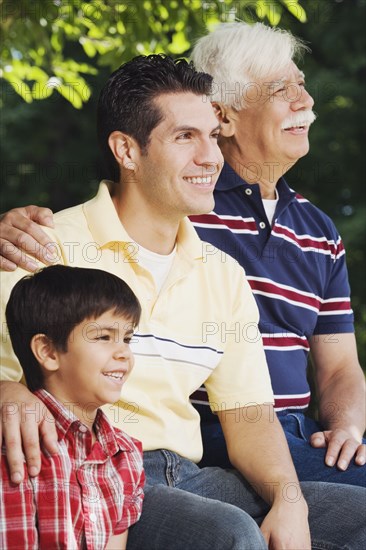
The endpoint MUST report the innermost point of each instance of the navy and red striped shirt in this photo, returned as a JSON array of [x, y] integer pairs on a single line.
[[297, 272]]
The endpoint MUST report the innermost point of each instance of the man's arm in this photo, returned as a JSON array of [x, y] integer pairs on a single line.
[[117, 542], [258, 450], [341, 391], [20, 235], [24, 421]]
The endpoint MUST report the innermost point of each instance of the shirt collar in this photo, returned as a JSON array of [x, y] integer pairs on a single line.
[[229, 179], [106, 227], [102, 217], [65, 419]]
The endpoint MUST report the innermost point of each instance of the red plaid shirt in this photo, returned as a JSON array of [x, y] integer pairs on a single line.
[[83, 495]]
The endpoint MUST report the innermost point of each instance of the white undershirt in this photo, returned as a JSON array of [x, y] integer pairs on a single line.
[[157, 264], [269, 206]]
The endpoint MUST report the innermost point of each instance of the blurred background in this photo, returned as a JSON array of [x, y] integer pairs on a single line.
[[57, 54]]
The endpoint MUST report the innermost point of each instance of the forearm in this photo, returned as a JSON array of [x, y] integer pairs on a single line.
[[340, 383], [259, 451]]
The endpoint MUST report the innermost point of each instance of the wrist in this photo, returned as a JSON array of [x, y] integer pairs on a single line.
[[288, 492]]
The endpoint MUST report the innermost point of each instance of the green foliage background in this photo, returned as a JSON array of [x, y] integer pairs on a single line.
[[57, 54]]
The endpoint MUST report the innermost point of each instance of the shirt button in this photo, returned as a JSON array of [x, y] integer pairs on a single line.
[[248, 191], [83, 429], [93, 517], [262, 225]]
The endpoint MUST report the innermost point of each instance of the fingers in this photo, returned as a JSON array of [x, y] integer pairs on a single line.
[[10, 417], [36, 422], [6, 265], [48, 432], [32, 451], [318, 440], [19, 236], [12, 257], [360, 458], [351, 449], [342, 449], [43, 216], [342, 452], [22, 424]]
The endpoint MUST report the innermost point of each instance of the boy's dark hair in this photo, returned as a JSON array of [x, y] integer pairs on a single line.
[[126, 103], [56, 299]]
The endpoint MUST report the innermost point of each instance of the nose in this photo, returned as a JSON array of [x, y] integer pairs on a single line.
[[300, 98], [208, 155], [122, 352]]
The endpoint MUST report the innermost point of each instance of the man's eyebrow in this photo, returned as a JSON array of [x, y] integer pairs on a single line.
[[284, 79], [276, 82], [186, 128]]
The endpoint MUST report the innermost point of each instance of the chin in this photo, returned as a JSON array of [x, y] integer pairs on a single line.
[[204, 208], [297, 155], [304, 149]]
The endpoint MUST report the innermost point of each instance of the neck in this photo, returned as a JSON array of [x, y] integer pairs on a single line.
[[265, 173], [85, 413], [146, 225]]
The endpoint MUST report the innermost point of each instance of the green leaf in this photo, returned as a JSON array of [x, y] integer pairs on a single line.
[[56, 43], [121, 29], [179, 43], [88, 46], [41, 90], [273, 14], [19, 86], [296, 10], [70, 94]]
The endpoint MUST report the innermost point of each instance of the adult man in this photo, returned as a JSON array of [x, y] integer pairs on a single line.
[[292, 254], [162, 134]]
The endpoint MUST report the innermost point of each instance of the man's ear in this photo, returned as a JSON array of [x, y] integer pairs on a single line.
[[45, 352], [124, 149], [226, 117]]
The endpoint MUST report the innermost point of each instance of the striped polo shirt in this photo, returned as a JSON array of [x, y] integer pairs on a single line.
[[297, 272], [202, 327]]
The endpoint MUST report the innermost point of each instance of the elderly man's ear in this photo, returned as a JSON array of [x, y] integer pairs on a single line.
[[227, 117]]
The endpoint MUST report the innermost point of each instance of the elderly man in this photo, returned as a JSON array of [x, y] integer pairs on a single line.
[[292, 254], [160, 134]]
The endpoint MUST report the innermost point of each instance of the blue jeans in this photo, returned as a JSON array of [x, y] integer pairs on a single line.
[[309, 461], [188, 508]]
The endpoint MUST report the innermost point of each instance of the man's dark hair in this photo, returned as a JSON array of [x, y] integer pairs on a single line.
[[126, 103], [56, 299]]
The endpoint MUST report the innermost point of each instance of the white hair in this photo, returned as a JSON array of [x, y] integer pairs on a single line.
[[237, 55]]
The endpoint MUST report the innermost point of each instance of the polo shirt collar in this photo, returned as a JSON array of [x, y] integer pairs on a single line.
[[102, 217], [189, 241], [106, 227], [65, 419], [229, 179]]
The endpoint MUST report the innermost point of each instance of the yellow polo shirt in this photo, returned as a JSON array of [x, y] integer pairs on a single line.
[[201, 328]]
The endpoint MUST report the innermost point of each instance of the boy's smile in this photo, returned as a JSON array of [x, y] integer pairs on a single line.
[[95, 366]]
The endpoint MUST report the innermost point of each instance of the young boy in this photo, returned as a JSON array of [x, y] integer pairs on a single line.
[[70, 329]]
